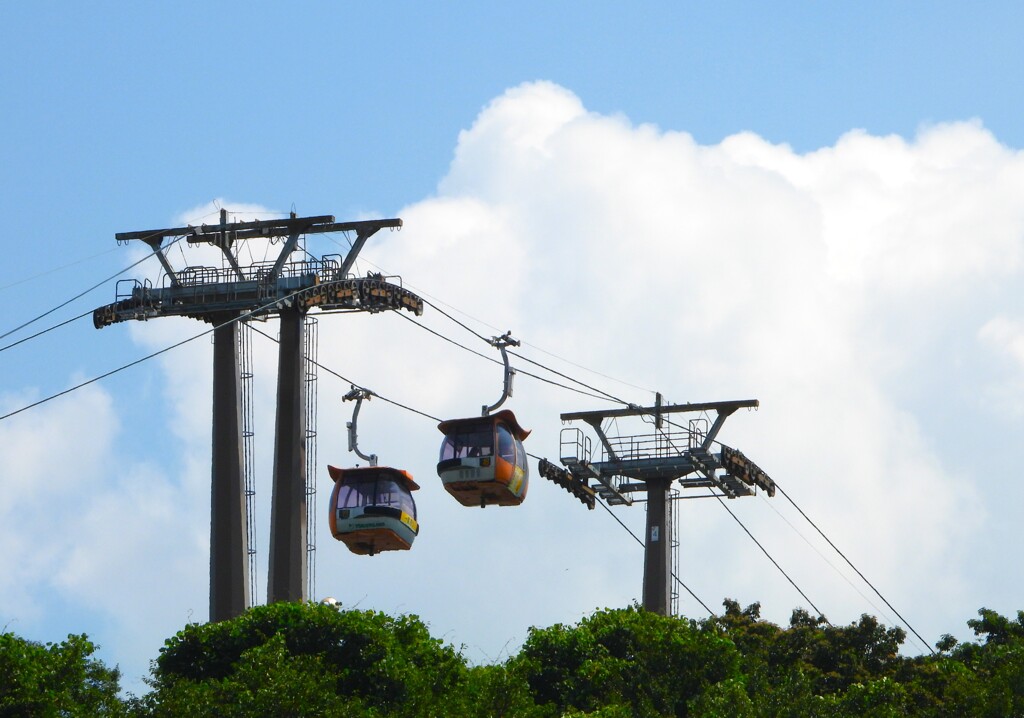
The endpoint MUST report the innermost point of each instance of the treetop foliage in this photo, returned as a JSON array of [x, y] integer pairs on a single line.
[[290, 659]]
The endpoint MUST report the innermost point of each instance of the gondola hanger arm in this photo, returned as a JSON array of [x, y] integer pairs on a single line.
[[502, 342], [358, 394]]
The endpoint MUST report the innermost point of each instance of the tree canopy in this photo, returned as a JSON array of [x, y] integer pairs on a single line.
[[56, 679], [290, 659]]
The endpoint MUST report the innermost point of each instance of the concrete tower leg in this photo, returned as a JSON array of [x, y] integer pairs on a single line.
[[229, 539], [658, 548], [287, 575]]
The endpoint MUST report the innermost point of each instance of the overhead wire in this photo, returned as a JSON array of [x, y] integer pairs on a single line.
[[492, 359], [671, 442], [603, 393], [835, 548], [835, 568], [616, 399], [600, 395], [765, 551], [639, 541], [157, 353], [437, 419], [45, 331], [850, 563], [816, 550], [109, 373], [54, 270], [83, 293], [353, 382], [437, 301]]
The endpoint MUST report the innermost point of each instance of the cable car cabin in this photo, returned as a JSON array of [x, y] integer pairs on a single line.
[[483, 461], [372, 509]]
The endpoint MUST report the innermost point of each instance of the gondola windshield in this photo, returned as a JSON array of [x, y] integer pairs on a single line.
[[375, 492], [471, 442]]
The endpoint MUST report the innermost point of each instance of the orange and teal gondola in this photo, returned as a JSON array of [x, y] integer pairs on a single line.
[[482, 460], [372, 509]]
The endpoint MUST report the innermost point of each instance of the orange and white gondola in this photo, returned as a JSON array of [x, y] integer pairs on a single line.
[[372, 509], [482, 460]]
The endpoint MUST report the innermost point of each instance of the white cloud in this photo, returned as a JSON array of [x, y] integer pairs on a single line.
[[843, 288], [821, 283], [1005, 338]]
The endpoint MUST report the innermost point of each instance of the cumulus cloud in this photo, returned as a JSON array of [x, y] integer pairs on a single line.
[[858, 291], [1004, 337], [834, 286]]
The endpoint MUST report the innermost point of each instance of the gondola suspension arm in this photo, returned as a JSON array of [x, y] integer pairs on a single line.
[[358, 395], [505, 340]]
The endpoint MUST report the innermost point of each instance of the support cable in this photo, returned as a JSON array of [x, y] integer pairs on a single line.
[[824, 558], [850, 563], [601, 395], [846, 559], [44, 331], [534, 346], [354, 383], [879, 611], [54, 270], [677, 579], [532, 456], [640, 541], [469, 329], [605, 395], [140, 360], [110, 373], [83, 293], [776, 563], [496, 361]]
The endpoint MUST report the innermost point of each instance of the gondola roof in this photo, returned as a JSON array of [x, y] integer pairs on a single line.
[[505, 415], [400, 474]]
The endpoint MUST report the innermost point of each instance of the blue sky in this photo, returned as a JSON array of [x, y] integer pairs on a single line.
[[872, 152]]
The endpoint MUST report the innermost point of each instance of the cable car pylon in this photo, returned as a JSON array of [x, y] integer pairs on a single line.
[[482, 460], [283, 288], [652, 463], [371, 508]]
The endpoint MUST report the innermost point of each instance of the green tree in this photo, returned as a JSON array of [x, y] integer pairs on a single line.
[[499, 691], [56, 679], [628, 658], [835, 657], [291, 659], [997, 665]]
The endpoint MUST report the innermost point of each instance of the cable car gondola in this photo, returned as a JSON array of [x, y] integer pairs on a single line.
[[483, 461], [372, 509]]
